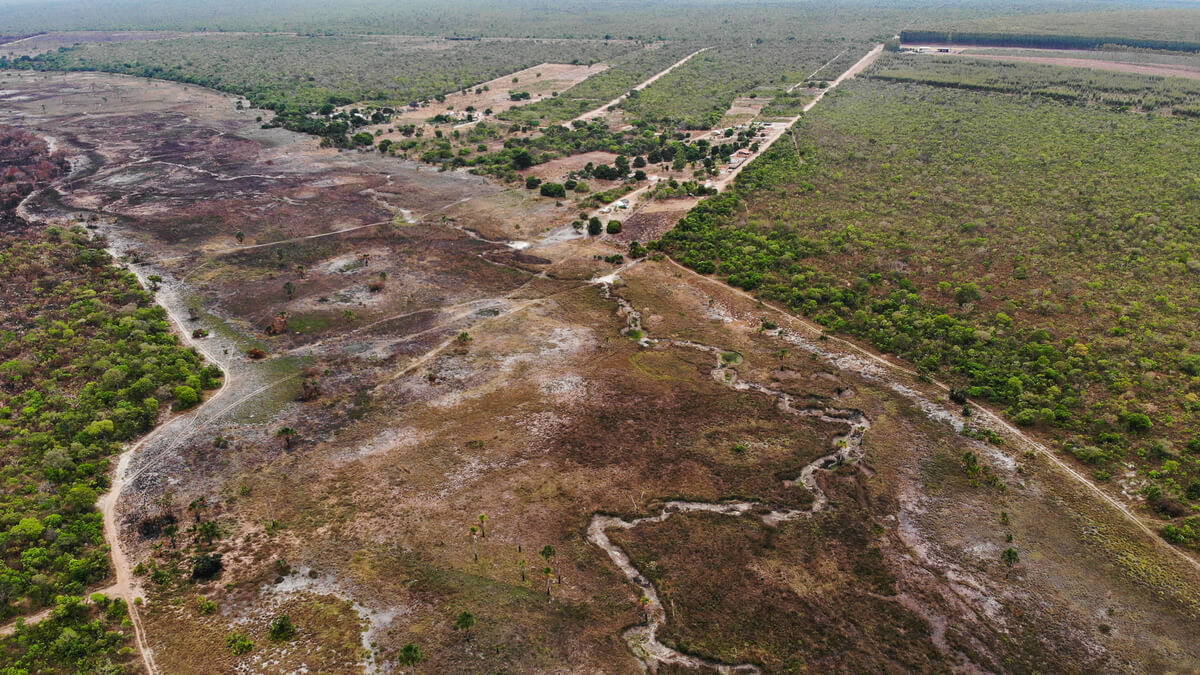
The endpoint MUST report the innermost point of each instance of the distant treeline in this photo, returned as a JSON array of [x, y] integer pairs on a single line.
[[1040, 41]]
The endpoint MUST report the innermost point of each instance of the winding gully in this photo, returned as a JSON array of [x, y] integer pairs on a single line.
[[847, 448]]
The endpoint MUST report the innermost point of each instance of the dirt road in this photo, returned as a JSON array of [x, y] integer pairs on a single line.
[[599, 112], [1097, 64], [777, 129], [125, 587]]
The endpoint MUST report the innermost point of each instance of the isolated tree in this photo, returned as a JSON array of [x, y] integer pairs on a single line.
[[300, 271], [410, 655], [171, 531], [646, 608], [206, 531], [240, 236], [521, 566], [465, 622], [1010, 556], [475, 541], [287, 434], [548, 573], [483, 525], [289, 288]]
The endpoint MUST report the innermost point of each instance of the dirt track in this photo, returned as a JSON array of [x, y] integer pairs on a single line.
[[599, 112], [1097, 64]]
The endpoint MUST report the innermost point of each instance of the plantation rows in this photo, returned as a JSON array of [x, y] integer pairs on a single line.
[[1150, 28], [1055, 41]]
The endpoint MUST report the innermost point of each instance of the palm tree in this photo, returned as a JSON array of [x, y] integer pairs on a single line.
[[289, 288], [286, 433], [240, 236], [475, 541], [549, 574], [410, 655], [482, 527], [465, 622], [646, 608]]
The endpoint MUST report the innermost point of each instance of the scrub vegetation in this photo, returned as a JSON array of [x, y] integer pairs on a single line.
[[623, 74], [299, 73], [697, 94], [704, 20], [1039, 255], [88, 363]]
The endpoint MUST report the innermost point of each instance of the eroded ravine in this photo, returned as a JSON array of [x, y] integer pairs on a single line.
[[847, 448]]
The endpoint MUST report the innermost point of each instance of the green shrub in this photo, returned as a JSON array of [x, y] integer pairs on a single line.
[[185, 397], [555, 190], [282, 628], [239, 643]]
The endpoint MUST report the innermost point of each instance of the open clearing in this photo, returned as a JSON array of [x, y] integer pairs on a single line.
[[1077, 59], [45, 42], [541, 81]]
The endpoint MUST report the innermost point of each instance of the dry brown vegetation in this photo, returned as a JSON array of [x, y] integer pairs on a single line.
[[479, 379]]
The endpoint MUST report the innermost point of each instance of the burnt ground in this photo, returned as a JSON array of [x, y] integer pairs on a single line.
[[542, 414]]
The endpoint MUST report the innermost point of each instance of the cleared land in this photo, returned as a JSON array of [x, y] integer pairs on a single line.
[[1082, 85], [545, 81], [622, 74], [45, 42], [1161, 65]]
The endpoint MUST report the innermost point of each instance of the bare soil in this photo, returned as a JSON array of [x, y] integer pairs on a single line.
[[1097, 64], [45, 42]]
